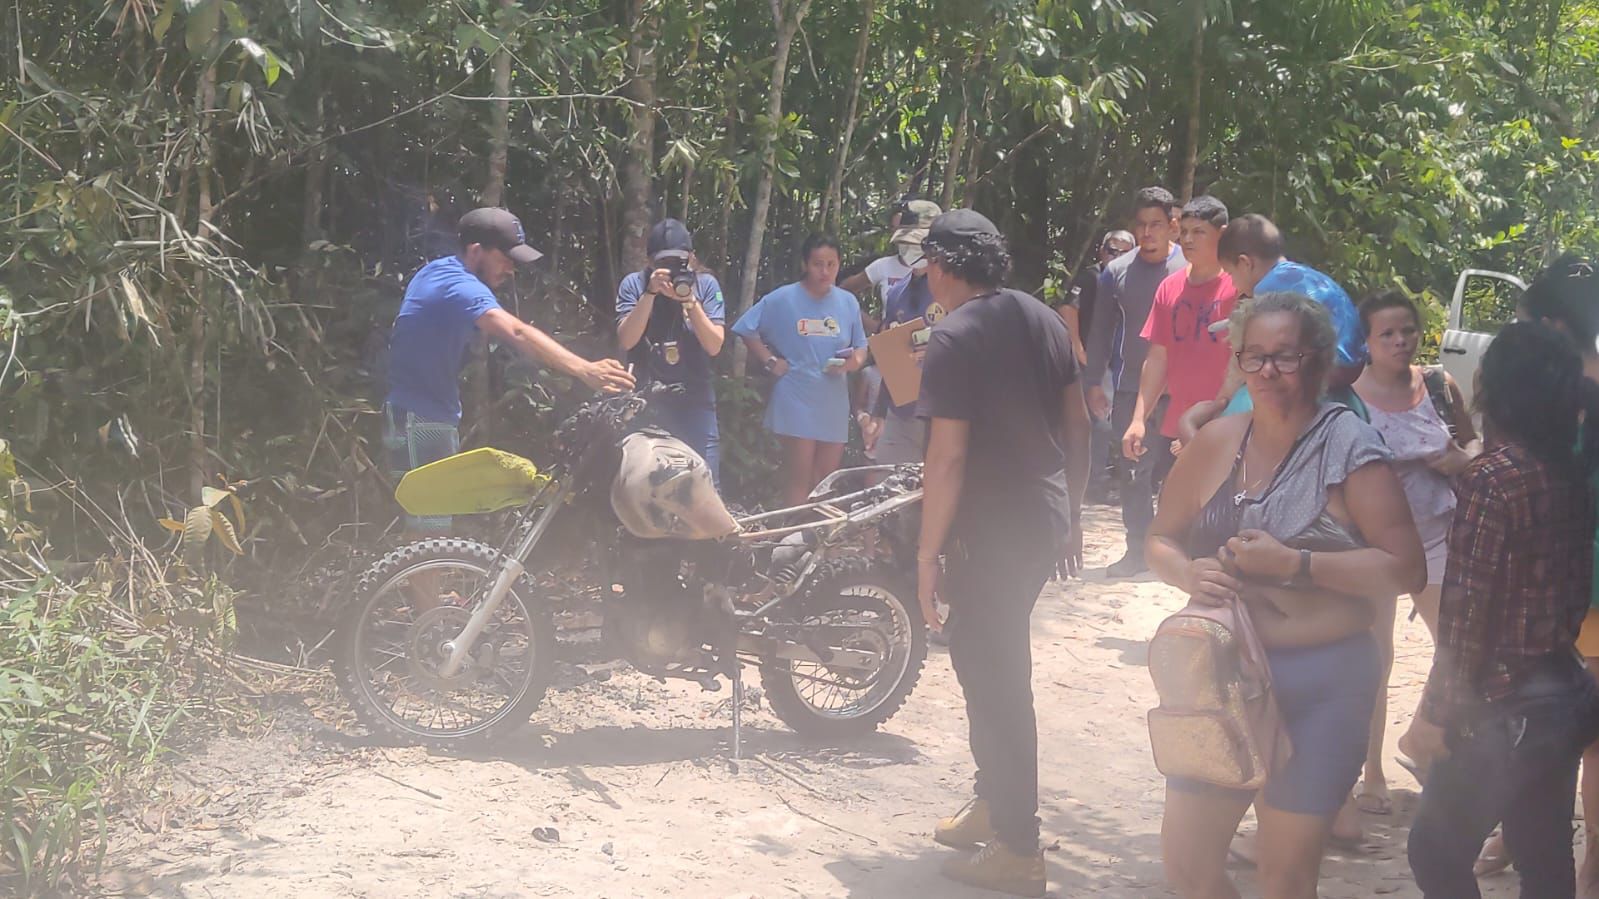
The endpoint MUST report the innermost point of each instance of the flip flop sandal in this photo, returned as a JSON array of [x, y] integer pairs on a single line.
[[1347, 844], [1416, 769], [1244, 857], [1489, 864], [1237, 859], [1373, 803]]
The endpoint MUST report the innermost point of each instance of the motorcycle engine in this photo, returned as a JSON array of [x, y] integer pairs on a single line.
[[654, 631], [663, 617]]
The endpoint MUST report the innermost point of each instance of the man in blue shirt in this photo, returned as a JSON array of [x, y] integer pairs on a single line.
[[449, 302], [670, 337]]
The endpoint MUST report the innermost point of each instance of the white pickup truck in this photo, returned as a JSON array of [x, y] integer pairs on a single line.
[[1492, 297]]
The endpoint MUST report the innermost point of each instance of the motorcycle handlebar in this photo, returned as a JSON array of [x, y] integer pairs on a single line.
[[634, 401], [612, 410]]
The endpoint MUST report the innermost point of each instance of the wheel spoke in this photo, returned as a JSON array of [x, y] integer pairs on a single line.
[[864, 618], [398, 653]]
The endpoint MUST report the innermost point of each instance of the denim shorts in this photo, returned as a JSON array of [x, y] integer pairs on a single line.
[[410, 442], [1325, 695]]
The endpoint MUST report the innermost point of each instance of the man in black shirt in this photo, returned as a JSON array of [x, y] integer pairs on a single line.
[[1077, 307], [1006, 464]]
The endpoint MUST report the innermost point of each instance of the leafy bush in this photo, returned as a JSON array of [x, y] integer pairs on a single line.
[[750, 454], [81, 707]]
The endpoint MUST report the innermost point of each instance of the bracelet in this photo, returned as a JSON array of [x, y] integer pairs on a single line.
[[927, 559]]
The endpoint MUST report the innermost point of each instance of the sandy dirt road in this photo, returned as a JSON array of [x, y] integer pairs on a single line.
[[625, 789]]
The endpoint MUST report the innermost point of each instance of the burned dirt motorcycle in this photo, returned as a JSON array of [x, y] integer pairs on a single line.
[[450, 641]]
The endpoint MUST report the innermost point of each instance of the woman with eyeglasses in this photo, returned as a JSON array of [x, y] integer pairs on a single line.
[[1293, 509]]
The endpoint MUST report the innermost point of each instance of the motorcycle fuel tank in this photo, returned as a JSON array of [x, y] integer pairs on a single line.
[[663, 489]]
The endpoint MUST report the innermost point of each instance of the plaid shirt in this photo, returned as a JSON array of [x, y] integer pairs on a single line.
[[1517, 584]]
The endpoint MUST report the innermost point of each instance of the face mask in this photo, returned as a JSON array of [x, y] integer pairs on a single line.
[[912, 257]]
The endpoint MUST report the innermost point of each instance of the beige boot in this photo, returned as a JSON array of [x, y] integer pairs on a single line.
[[999, 869], [968, 829]]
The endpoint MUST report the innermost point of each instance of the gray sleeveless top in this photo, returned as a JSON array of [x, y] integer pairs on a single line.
[[1293, 508]]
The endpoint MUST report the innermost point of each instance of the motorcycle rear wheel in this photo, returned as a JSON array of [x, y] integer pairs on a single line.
[[881, 610], [390, 648]]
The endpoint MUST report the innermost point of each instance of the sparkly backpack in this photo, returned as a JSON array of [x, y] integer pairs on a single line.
[[1217, 721]]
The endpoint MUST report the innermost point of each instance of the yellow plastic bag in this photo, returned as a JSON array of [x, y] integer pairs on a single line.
[[474, 482]]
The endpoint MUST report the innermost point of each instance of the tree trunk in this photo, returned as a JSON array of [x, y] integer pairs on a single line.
[[957, 147], [1196, 72], [199, 458], [477, 395], [1086, 191], [558, 233], [786, 16], [691, 66], [316, 170], [316, 176], [833, 203], [974, 158], [963, 126], [638, 165], [500, 121], [727, 187], [689, 172], [726, 183]]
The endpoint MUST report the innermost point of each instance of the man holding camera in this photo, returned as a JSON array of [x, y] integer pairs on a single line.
[[669, 320]]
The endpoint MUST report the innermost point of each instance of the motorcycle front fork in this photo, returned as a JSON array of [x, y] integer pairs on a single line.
[[511, 568]]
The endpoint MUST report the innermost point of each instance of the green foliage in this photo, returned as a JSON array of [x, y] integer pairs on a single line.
[[212, 207], [750, 454], [81, 706]]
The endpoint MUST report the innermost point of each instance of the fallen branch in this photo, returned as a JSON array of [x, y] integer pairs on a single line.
[[428, 793], [779, 771], [809, 816]]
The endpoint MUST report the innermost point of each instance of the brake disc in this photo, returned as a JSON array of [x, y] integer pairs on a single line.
[[861, 637], [427, 639]]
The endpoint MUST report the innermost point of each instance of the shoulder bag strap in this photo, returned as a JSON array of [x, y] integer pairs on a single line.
[[1443, 401]]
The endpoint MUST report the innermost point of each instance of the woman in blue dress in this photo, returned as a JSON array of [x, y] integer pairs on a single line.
[[808, 335]]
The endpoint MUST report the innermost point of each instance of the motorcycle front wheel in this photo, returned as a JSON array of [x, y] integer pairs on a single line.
[[392, 646], [851, 605]]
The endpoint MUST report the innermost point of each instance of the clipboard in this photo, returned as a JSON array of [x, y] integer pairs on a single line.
[[896, 361]]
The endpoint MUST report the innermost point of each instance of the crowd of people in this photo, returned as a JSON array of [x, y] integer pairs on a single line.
[[1309, 472]]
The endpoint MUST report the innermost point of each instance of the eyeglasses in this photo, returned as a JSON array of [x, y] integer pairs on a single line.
[[1285, 363]]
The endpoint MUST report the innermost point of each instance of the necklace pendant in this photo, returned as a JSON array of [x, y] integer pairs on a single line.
[[1238, 498]]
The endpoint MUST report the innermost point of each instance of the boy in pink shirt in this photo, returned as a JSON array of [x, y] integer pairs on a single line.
[[1186, 360]]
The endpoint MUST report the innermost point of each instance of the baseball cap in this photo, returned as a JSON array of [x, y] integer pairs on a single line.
[[914, 220], [959, 226], [497, 229], [1125, 238], [669, 235]]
